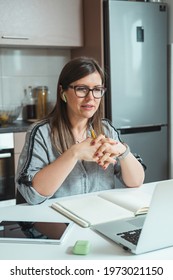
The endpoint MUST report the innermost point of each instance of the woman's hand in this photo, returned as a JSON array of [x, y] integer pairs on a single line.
[[85, 150], [108, 151]]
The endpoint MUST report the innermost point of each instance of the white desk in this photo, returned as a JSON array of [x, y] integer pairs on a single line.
[[102, 248]]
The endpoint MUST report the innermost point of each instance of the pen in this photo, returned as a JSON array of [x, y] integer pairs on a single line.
[[69, 214], [93, 133]]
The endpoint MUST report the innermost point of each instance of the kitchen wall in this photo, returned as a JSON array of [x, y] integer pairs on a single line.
[[22, 67], [170, 89], [170, 80], [170, 20]]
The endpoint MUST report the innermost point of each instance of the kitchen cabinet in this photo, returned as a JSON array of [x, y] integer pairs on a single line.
[[53, 23], [19, 140], [93, 31], [7, 186]]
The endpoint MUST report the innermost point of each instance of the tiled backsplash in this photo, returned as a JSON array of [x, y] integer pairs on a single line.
[[20, 68]]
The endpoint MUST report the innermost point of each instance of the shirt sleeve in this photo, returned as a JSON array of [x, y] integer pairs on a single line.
[[33, 158]]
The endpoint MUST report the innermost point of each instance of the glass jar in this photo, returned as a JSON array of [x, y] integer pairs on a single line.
[[42, 99]]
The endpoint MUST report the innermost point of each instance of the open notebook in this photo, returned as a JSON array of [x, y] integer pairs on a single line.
[[95, 208]]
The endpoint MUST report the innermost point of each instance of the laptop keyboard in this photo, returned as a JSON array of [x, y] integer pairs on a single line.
[[131, 236]]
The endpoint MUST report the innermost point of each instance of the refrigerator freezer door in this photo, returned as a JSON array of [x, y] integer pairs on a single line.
[[136, 61], [150, 146]]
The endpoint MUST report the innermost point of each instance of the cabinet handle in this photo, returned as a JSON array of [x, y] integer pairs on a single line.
[[15, 38], [5, 155]]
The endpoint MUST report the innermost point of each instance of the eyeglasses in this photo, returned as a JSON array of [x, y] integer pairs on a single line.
[[83, 91]]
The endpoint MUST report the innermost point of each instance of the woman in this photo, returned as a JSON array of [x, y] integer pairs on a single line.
[[60, 156]]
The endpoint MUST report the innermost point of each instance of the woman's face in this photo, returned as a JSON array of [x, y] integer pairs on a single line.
[[83, 108]]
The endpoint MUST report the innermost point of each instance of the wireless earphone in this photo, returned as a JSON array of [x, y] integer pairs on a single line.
[[64, 98]]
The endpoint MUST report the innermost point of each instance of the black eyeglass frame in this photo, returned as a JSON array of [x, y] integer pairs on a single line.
[[88, 89]]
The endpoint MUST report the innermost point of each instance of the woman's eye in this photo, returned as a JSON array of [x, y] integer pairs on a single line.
[[83, 89], [97, 89]]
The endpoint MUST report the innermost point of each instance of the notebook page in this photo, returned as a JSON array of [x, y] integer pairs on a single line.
[[131, 199], [94, 209]]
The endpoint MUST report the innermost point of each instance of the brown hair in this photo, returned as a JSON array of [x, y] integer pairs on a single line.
[[60, 124]]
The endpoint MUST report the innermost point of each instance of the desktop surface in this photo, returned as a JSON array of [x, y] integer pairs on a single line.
[[101, 247]]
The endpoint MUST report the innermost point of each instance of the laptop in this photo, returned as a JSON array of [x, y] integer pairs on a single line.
[[148, 232]]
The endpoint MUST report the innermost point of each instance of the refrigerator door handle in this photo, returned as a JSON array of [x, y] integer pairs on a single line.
[[139, 34], [141, 129]]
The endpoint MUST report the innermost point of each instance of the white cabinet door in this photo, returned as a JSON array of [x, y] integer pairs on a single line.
[[19, 140], [41, 23]]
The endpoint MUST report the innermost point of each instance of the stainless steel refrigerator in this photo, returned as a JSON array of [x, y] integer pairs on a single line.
[[136, 101]]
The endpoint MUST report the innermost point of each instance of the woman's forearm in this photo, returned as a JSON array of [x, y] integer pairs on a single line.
[[50, 178], [132, 171]]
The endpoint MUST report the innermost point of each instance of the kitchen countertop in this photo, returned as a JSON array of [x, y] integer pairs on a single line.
[[17, 126]]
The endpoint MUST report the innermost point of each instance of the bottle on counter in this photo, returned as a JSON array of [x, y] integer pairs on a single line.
[[23, 104], [31, 112], [42, 98]]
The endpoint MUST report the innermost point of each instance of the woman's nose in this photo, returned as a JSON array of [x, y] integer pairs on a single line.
[[90, 95]]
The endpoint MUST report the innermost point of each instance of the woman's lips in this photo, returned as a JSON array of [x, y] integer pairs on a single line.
[[88, 107]]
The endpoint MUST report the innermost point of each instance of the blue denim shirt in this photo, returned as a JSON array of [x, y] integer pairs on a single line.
[[85, 177]]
